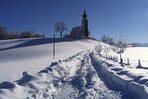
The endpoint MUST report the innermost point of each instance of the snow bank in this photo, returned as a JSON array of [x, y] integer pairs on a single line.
[[128, 79], [138, 89]]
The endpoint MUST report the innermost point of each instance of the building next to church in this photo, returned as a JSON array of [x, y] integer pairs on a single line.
[[81, 31]]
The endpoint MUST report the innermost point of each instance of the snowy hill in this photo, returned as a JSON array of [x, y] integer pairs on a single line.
[[79, 71], [32, 55]]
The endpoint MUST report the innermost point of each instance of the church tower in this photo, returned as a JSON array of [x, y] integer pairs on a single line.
[[85, 25]]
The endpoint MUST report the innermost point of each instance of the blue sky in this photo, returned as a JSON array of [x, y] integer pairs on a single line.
[[118, 18]]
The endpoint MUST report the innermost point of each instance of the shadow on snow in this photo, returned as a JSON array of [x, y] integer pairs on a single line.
[[34, 42]]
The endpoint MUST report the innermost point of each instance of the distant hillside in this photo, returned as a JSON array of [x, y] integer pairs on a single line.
[[139, 44]]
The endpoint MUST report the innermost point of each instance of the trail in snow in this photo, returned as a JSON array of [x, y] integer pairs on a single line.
[[86, 84], [73, 78]]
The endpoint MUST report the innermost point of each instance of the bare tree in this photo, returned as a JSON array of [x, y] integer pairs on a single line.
[[119, 48], [107, 39], [99, 49], [3, 32], [106, 50], [12, 35], [26, 34], [60, 27]]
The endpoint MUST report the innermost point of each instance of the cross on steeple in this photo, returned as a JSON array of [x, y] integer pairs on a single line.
[[84, 15]]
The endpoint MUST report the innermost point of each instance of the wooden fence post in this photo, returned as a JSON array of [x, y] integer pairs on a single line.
[[54, 46]]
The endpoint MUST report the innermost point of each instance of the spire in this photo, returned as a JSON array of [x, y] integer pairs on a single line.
[[84, 15]]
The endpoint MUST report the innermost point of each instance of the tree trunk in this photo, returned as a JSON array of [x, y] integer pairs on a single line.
[[61, 34], [120, 58]]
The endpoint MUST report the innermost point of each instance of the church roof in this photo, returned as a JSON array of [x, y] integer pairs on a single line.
[[77, 29]]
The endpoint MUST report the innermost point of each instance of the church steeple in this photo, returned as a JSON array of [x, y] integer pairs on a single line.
[[84, 15], [81, 31], [85, 24]]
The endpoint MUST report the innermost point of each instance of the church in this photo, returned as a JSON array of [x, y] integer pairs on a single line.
[[81, 31]]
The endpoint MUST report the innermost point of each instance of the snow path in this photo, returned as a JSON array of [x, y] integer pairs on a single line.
[[86, 84], [73, 78]]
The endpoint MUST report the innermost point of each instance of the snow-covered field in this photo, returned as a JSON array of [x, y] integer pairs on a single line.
[[32, 55], [28, 71], [135, 53]]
